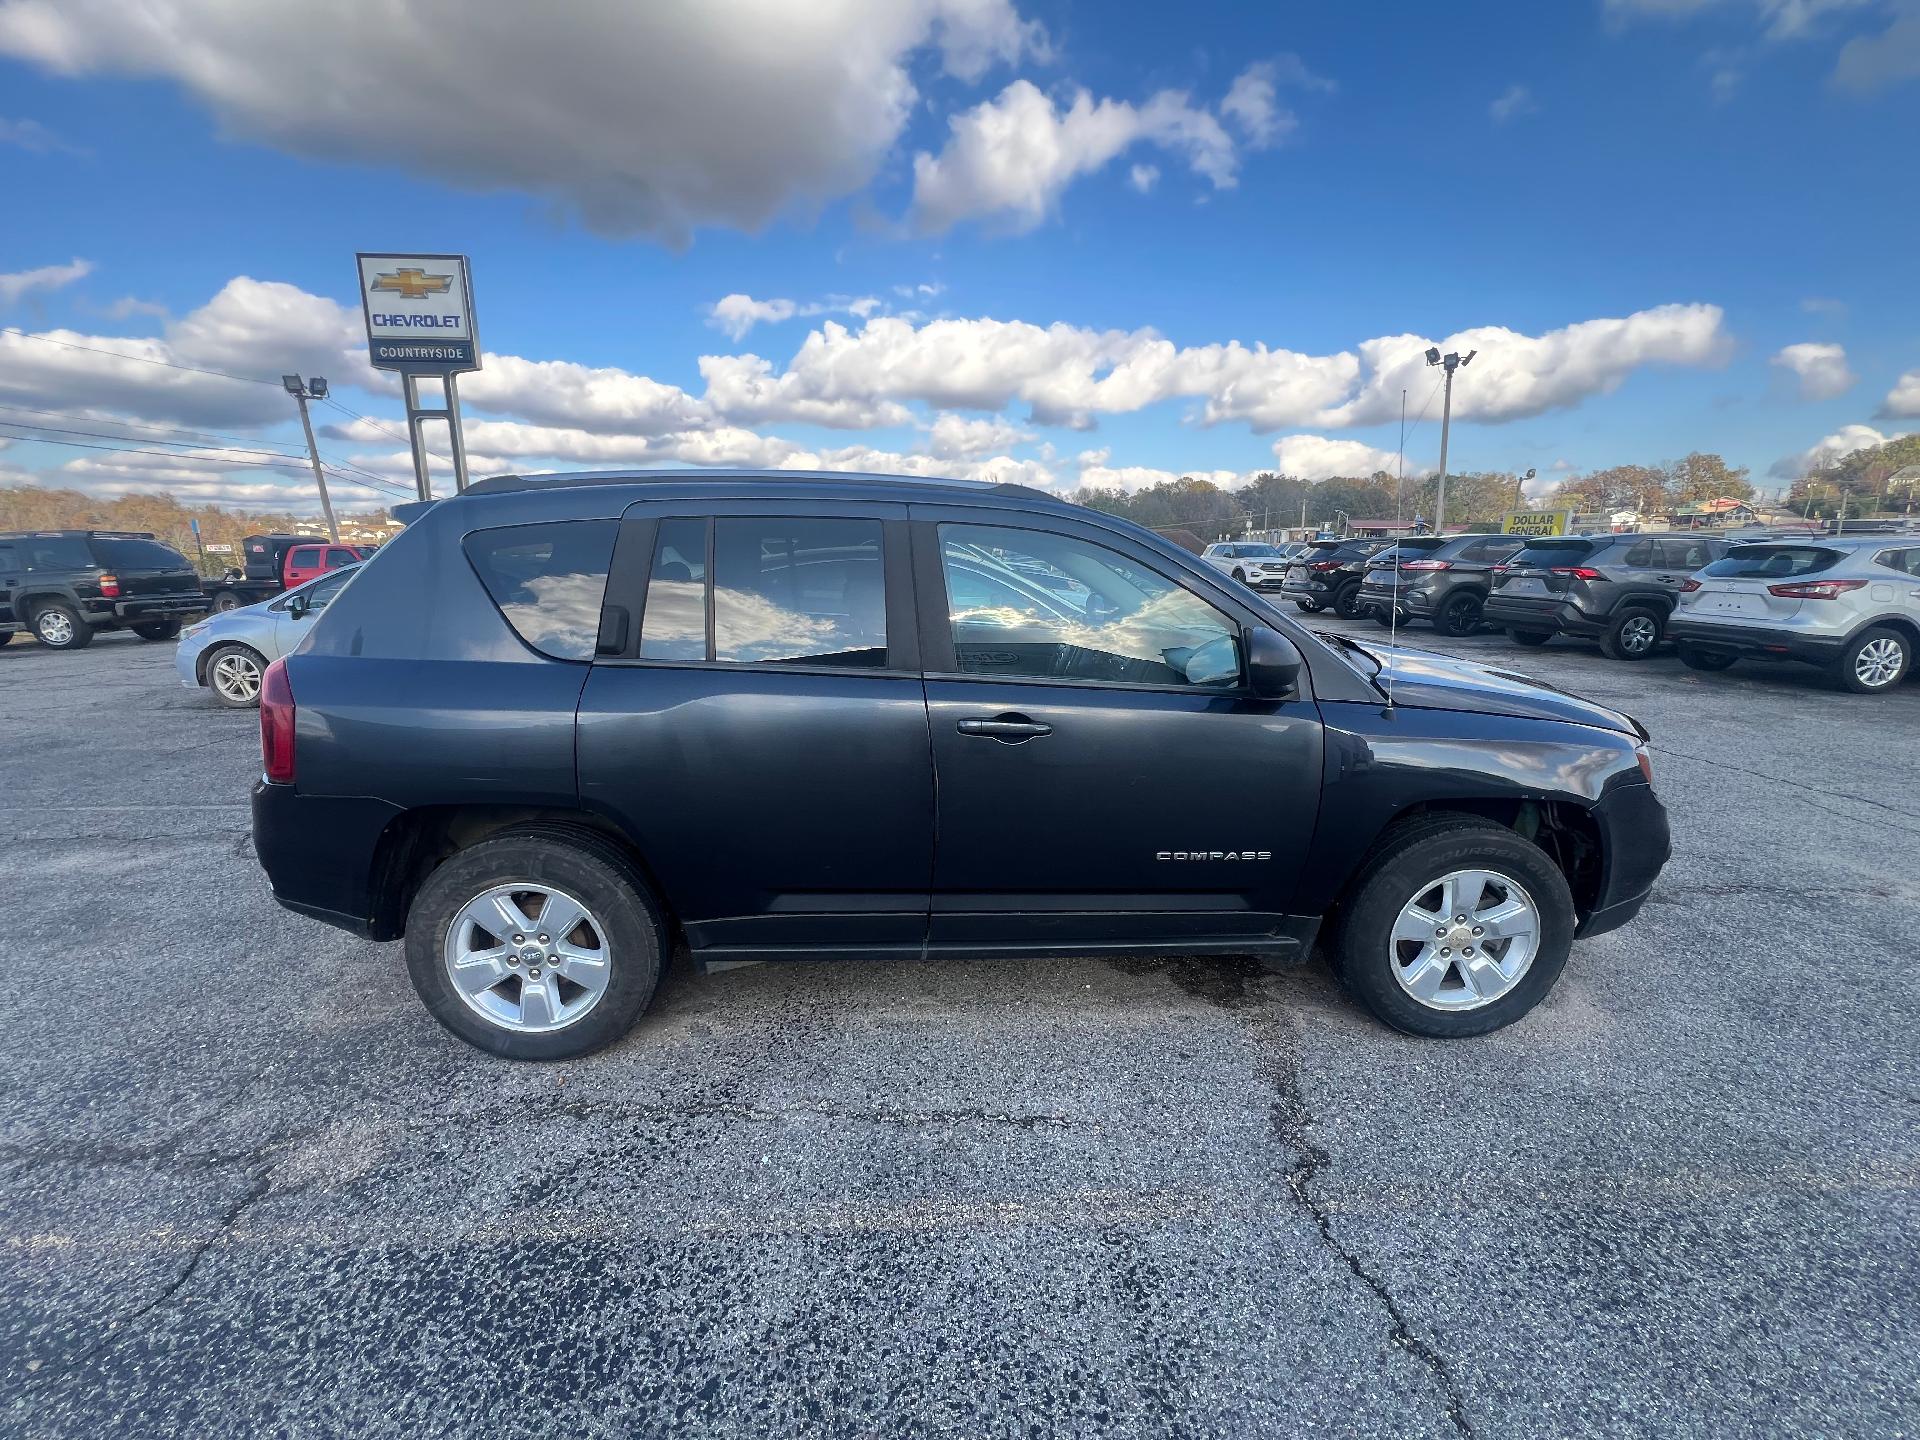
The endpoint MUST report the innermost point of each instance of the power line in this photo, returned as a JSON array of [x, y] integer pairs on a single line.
[[110, 435], [141, 359], [200, 435], [379, 487], [393, 435]]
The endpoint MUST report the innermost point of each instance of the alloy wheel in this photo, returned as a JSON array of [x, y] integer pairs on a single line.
[[527, 957], [237, 677], [54, 628], [1879, 662], [1464, 940]]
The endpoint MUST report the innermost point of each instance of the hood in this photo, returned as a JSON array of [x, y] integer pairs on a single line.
[[1425, 680]]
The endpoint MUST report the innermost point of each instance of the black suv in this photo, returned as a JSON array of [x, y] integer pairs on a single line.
[[779, 716], [1439, 578], [1618, 589], [1326, 575], [67, 585]]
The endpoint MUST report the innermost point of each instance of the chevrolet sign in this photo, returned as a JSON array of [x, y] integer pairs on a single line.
[[419, 311]]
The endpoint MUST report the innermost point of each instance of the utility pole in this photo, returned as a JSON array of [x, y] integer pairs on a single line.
[[316, 389], [1452, 362]]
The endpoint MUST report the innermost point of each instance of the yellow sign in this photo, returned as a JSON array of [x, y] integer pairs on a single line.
[[412, 282], [1537, 522]]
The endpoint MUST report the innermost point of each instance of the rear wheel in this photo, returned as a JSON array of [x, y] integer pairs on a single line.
[[233, 675], [1633, 633], [226, 600], [58, 626], [1529, 637], [6, 636], [1876, 661], [1311, 607], [1694, 658], [158, 630], [1457, 926], [1346, 603], [1459, 616], [537, 944], [1385, 618]]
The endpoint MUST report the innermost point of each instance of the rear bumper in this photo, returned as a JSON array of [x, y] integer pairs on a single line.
[[319, 850], [1636, 844], [1381, 597], [1562, 617], [139, 609], [1764, 642]]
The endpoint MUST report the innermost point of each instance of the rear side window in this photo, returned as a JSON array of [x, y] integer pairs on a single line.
[[9, 557], [1545, 554], [548, 580], [1773, 562], [1685, 554], [674, 626], [1638, 554], [138, 555], [56, 552]]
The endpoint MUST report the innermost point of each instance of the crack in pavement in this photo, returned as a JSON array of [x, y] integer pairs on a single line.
[[1753, 774], [1227, 985]]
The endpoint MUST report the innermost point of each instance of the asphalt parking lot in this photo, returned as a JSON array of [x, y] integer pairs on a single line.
[[248, 1187]]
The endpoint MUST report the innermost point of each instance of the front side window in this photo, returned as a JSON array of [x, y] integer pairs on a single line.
[[304, 557], [548, 580], [321, 591], [1030, 603], [9, 558]]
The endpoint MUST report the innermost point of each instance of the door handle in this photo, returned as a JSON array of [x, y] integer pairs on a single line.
[[1009, 729]]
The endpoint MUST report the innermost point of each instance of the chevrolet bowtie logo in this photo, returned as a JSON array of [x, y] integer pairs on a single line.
[[413, 282]]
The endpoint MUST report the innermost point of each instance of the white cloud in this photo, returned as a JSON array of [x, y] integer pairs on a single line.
[[1140, 477], [128, 306], [1516, 375], [1253, 104], [1143, 177], [1869, 63], [1780, 19], [1315, 457], [563, 393], [34, 138], [1823, 306], [956, 437], [861, 459], [1843, 441], [47, 277], [1013, 155], [736, 314], [651, 119], [1513, 101], [1903, 401], [1820, 370]]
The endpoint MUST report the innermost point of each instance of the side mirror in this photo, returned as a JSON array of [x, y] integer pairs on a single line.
[[297, 607], [1273, 663]]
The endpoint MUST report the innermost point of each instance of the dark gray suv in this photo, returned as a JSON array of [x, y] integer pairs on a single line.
[[1440, 578], [1618, 589]]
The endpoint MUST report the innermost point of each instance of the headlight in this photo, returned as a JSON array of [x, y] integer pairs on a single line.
[[194, 629]]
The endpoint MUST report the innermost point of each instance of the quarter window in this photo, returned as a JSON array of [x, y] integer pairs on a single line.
[[1031, 603], [548, 580], [675, 624]]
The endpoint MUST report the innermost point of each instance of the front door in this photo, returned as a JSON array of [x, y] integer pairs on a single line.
[[760, 726], [1104, 775], [10, 575]]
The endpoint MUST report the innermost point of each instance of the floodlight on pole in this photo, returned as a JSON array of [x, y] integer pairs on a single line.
[[1452, 361], [302, 391]]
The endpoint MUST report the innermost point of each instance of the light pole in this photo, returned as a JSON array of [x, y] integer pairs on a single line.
[[302, 391], [1452, 362]]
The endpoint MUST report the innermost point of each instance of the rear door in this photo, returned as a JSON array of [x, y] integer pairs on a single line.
[[755, 718], [1080, 751], [10, 575]]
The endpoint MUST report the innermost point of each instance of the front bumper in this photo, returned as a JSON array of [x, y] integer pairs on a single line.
[[1760, 641], [1636, 842]]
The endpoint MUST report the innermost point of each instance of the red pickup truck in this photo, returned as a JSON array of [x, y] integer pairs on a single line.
[[279, 562]]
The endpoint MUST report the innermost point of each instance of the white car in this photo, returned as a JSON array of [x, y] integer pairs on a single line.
[[1261, 566], [229, 652]]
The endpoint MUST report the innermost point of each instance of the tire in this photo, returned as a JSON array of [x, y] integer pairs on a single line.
[[1876, 661], [1384, 619], [6, 637], [1417, 854], [1241, 576], [58, 626], [1633, 633], [1310, 607], [159, 630], [233, 673], [620, 913], [1529, 637], [226, 600], [1459, 616], [1346, 602], [1695, 658]]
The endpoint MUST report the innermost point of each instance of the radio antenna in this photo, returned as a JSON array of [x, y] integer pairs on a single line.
[[1393, 605]]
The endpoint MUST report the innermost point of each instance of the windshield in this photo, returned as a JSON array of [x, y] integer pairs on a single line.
[[1545, 554], [138, 554], [1773, 562]]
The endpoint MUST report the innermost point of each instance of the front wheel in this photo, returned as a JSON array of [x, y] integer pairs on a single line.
[[538, 944], [1457, 927], [1876, 661], [1529, 637], [1459, 616], [1694, 658], [1241, 576], [233, 675], [159, 630]]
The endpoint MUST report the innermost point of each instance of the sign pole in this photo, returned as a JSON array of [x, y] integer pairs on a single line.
[[456, 434]]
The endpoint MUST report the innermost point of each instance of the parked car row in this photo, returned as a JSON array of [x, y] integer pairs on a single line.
[[1849, 604]]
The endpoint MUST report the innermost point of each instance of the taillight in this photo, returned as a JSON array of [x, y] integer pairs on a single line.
[[1326, 565], [1427, 565], [1578, 572], [276, 723], [1687, 587], [1815, 589], [110, 586]]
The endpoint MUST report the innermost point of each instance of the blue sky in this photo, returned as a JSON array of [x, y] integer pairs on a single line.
[[1633, 208]]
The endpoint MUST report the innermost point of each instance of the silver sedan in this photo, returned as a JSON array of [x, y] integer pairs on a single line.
[[228, 653]]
